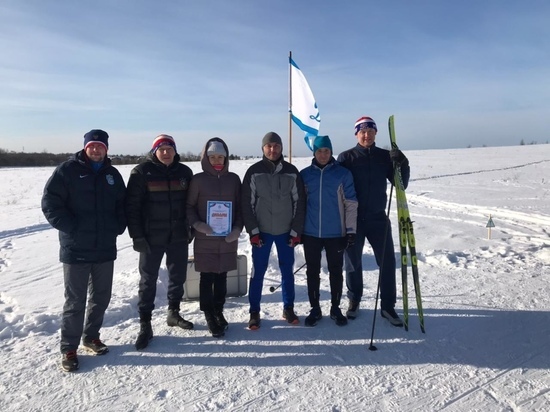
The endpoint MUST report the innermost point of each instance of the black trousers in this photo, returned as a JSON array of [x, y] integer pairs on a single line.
[[334, 251], [373, 230], [212, 289], [149, 264]]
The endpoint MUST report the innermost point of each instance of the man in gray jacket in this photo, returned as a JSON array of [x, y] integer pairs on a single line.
[[273, 205]]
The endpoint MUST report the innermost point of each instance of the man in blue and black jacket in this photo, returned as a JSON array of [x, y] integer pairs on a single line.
[[372, 168], [331, 221]]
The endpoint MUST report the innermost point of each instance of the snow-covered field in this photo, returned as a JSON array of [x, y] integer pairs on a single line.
[[486, 304]]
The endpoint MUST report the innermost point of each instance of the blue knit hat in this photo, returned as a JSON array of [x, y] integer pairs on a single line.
[[321, 142], [96, 136]]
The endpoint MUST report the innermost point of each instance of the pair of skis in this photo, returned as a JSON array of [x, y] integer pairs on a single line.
[[406, 239]]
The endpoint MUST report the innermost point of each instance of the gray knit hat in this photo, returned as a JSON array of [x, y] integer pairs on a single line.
[[272, 137]]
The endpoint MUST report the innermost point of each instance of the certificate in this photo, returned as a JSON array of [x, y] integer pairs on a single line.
[[218, 217]]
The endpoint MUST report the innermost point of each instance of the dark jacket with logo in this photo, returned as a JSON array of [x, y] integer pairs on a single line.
[[156, 201], [371, 168], [87, 208]]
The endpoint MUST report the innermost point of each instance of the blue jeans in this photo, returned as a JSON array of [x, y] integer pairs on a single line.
[[260, 260], [373, 229]]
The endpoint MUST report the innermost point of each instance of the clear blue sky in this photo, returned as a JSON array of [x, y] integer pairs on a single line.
[[454, 73]]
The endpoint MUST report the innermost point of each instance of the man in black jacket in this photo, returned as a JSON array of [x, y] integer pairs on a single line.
[[371, 168], [84, 200], [157, 223]]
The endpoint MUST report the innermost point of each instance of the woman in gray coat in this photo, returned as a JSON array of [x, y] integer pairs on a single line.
[[215, 253]]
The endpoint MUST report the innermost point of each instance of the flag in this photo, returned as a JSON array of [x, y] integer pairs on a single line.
[[304, 111]]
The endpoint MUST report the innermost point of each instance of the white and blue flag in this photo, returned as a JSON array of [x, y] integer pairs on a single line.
[[304, 111]]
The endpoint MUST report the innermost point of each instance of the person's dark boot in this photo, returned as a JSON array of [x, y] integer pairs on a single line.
[[390, 314], [337, 316], [174, 319], [69, 361], [290, 316], [255, 321], [314, 316], [145, 335], [215, 329], [218, 314]]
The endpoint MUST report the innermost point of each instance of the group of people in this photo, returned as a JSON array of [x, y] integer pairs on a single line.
[[331, 205]]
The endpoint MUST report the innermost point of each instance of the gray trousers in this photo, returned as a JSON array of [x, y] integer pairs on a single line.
[[84, 281]]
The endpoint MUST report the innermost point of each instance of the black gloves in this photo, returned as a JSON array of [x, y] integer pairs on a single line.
[[397, 156], [350, 240], [347, 242], [141, 245]]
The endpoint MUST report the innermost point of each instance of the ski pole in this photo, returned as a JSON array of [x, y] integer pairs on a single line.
[[274, 288], [371, 346]]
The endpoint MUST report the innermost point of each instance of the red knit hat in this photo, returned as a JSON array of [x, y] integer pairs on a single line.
[[161, 140]]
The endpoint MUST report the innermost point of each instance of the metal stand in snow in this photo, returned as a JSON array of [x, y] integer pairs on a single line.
[[274, 288]]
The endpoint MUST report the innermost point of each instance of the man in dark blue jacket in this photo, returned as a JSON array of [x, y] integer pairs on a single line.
[[158, 225], [84, 200], [372, 167]]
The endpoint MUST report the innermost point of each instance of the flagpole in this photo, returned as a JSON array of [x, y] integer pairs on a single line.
[[289, 108]]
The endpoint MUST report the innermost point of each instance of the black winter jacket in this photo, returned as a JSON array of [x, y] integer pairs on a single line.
[[156, 201], [87, 208], [371, 169]]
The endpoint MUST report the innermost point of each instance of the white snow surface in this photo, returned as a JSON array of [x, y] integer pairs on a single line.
[[486, 306]]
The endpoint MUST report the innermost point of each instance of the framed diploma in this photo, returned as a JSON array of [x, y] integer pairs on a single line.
[[218, 217]]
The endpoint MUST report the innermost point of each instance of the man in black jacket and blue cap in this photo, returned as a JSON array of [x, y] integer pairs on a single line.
[[84, 201]]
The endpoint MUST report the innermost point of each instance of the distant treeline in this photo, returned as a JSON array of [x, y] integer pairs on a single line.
[[522, 143], [21, 159]]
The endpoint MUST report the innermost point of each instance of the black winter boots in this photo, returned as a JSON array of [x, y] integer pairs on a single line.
[[145, 335], [174, 319], [215, 328]]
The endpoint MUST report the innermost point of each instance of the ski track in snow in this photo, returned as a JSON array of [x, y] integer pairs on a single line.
[[485, 303]]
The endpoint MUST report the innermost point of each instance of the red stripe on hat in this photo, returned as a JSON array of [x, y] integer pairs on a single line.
[[163, 139], [96, 142], [364, 119]]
